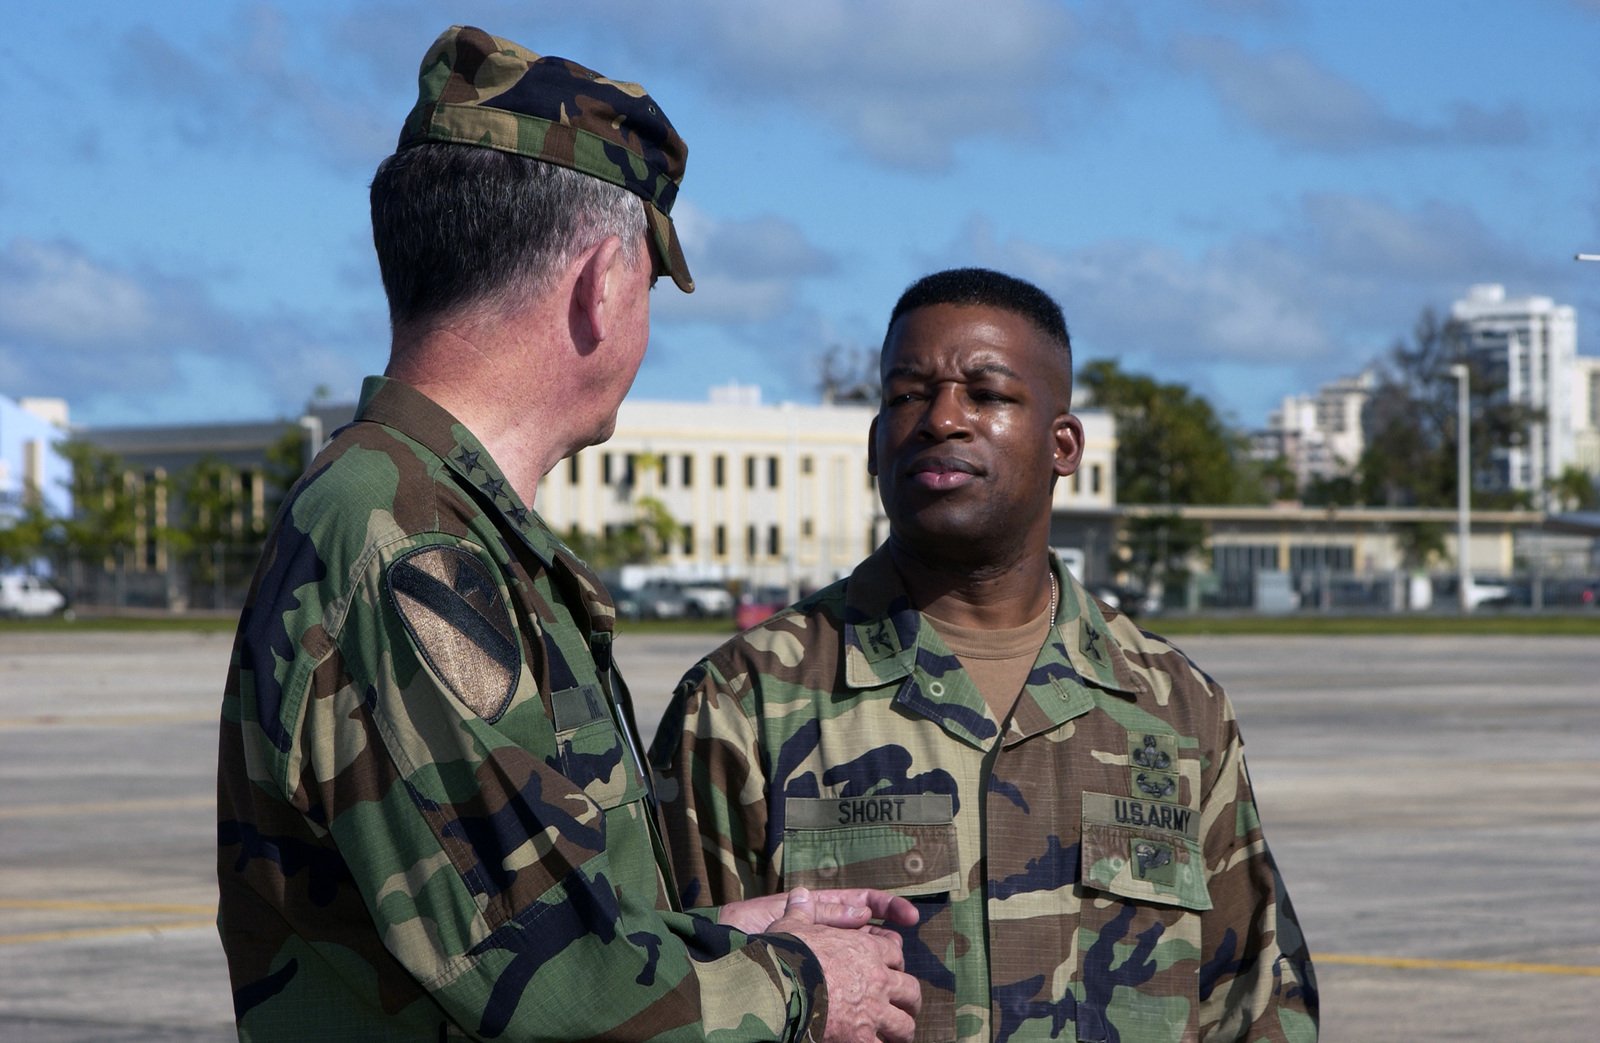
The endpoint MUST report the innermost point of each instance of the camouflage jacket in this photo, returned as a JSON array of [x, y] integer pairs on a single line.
[[1093, 869], [432, 817]]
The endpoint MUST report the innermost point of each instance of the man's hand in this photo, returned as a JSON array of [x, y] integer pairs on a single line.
[[831, 907], [870, 997]]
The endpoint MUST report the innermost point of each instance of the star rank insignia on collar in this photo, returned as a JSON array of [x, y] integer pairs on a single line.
[[519, 515], [494, 488], [468, 460]]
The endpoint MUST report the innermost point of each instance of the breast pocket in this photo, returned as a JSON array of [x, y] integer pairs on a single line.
[[592, 752], [1144, 890], [905, 845]]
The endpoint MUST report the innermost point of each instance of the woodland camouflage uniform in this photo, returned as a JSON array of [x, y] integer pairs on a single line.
[[433, 822], [1092, 869]]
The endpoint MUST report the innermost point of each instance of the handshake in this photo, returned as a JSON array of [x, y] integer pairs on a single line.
[[870, 996]]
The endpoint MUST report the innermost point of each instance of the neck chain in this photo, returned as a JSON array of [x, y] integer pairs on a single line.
[[1055, 591]]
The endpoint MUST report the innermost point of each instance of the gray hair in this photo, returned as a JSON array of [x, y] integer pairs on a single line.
[[460, 227]]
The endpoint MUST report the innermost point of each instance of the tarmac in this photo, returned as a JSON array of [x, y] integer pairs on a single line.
[[1433, 803]]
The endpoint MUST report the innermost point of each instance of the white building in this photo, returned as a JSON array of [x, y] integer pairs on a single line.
[[1586, 415], [33, 473], [1529, 344], [1319, 435], [770, 495]]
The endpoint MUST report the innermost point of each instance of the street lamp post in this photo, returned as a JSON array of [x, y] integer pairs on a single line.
[[1463, 490]]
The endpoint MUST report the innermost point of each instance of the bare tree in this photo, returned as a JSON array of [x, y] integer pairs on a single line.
[[848, 375]]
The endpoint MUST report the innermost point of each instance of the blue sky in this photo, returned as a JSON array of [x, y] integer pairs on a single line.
[[1249, 196]]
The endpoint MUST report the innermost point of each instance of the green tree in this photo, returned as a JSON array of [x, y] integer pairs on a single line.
[[639, 541], [104, 528], [217, 533], [285, 462], [1420, 544], [1410, 422], [1172, 448], [29, 537], [1574, 490]]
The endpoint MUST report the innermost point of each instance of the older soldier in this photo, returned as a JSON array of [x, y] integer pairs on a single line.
[[433, 818], [1063, 796]]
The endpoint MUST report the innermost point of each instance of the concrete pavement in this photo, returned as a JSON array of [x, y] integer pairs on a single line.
[[1434, 804]]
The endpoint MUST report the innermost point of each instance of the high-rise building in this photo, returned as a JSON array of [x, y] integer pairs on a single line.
[[1529, 346], [1319, 436]]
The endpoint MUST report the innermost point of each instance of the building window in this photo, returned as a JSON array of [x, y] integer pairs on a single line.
[[772, 472], [722, 541], [774, 544], [807, 529], [661, 470], [687, 474], [572, 469], [749, 472], [805, 464], [719, 472], [750, 541], [605, 468], [627, 470], [688, 538], [1094, 479]]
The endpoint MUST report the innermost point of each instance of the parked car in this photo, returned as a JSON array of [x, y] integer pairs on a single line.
[[706, 599], [1127, 600], [30, 596], [758, 604], [654, 600]]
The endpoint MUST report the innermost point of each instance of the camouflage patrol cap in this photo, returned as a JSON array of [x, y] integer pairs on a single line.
[[477, 89]]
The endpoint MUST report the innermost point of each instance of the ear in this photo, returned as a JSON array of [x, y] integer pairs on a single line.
[[594, 288], [872, 448], [1068, 435]]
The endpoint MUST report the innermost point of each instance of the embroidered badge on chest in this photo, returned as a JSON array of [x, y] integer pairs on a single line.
[[451, 605], [1153, 766]]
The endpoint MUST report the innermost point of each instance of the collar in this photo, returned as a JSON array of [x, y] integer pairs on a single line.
[[887, 641], [403, 408]]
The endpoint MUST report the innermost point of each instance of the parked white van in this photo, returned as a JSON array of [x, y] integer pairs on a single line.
[[29, 596]]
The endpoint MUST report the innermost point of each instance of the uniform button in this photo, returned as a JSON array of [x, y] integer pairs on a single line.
[[914, 863]]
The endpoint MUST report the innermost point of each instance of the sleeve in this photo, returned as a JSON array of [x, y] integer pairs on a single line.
[[1256, 981], [504, 857], [711, 780]]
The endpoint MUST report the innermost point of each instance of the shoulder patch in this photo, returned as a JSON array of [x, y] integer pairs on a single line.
[[451, 605]]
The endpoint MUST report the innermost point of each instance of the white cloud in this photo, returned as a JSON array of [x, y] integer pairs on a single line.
[[270, 81], [1326, 292], [1288, 96], [120, 338], [53, 294], [746, 272], [906, 81]]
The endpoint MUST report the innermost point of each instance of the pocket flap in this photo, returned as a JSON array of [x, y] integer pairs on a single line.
[[906, 847], [1145, 850]]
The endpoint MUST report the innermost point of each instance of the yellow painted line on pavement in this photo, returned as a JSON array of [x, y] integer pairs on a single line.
[[105, 807], [69, 905], [1489, 966], [78, 905]]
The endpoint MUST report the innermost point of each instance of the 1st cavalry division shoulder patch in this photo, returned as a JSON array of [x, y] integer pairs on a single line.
[[451, 604]]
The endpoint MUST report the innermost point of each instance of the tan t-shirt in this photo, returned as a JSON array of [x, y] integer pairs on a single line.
[[998, 661]]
